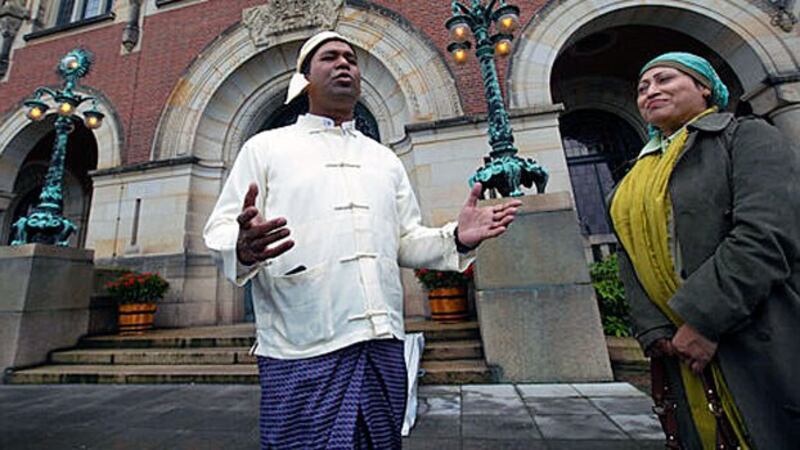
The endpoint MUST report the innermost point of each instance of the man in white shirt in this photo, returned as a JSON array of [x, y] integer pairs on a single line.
[[328, 302]]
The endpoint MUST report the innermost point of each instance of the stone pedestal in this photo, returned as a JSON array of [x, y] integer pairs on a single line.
[[538, 314], [44, 301]]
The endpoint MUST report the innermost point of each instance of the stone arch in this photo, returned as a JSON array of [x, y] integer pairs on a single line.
[[243, 102], [739, 31], [18, 135], [25, 156], [223, 96]]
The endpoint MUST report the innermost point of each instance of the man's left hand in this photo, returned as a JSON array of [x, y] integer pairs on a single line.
[[693, 348], [476, 224]]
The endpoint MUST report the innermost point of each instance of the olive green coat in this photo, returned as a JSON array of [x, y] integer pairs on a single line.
[[735, 193]]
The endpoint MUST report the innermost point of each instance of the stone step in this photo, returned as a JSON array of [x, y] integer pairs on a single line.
[[136, 374], [449, 350], [470, 371], [219, 354], [243, 335], [436, 350], [239, 335], [435, 372], [156, 356], [435, 331]]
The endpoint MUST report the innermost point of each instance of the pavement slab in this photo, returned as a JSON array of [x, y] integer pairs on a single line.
[[559, 406], [608, 390], [594, 427], [591, 416], [499, 427], [547, 390]]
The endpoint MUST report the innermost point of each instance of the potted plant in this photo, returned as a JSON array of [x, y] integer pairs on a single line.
[[447, 293], [136, 294]]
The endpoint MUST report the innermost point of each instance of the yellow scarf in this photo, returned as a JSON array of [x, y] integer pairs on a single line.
[[640, 210]]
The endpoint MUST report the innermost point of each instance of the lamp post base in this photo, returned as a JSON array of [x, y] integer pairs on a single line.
[[507, 173], [43, 227]]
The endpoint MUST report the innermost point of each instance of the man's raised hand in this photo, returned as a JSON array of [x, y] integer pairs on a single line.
[[257, 234], [476, 224]]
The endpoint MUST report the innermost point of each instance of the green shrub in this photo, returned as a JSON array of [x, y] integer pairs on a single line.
[[614, 308]]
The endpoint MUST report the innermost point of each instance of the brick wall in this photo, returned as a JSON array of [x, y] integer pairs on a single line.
[[138, 84], [429, 16]]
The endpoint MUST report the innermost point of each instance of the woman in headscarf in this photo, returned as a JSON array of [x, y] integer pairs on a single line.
[[709, 223]]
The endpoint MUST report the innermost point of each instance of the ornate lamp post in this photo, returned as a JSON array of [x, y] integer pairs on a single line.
[[505, 171], [46, 224]]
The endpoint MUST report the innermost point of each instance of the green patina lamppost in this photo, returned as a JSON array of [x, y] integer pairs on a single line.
[[46, 224], [505, 171]]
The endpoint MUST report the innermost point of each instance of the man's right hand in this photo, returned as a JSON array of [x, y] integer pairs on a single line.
[[256, 234]]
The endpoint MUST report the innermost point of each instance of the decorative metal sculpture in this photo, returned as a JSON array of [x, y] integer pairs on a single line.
[[46, 224], [505, 171]]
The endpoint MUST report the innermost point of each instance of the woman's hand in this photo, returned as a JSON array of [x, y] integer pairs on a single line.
[[693, 348], [660, 348]]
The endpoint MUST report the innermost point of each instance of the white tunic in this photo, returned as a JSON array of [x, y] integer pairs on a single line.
[[354, 218]]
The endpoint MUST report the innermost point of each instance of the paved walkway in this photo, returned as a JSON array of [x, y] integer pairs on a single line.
[[139, 417]]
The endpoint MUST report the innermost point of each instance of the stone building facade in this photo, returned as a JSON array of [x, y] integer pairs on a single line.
[[184, 82]]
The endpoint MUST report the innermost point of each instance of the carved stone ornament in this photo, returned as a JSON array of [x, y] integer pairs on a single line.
[[12, 13], [284, 16]]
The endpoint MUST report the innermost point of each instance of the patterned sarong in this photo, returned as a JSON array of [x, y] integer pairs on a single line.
[[353, 398]]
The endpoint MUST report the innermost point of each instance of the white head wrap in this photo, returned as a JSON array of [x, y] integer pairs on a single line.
[[299, 83]]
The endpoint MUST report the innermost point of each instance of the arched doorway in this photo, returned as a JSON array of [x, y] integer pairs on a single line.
[[752, 48], [229, 94], [601, 69], [595, 76], [81, 158], [287, 115], [587, 55], [599, 149]]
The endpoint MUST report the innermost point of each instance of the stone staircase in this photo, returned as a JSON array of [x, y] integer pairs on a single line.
[[219, 354], [453, 353]]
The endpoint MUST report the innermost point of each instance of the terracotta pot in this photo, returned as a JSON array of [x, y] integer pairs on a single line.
[[134, 318], [448, 304]]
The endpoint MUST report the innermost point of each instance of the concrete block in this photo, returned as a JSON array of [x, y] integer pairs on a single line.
[[43, 331], [44, 301], [542, 247], [545, 334]]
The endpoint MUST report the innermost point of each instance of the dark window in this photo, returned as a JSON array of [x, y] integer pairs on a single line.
[[86, 8], [600, 148], [65, 12], [287, 115]]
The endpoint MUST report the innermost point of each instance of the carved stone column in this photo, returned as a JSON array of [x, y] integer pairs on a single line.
[[12, 13], [778, 98]]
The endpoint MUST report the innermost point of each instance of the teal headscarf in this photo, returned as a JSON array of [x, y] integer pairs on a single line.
[[696, 67]]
